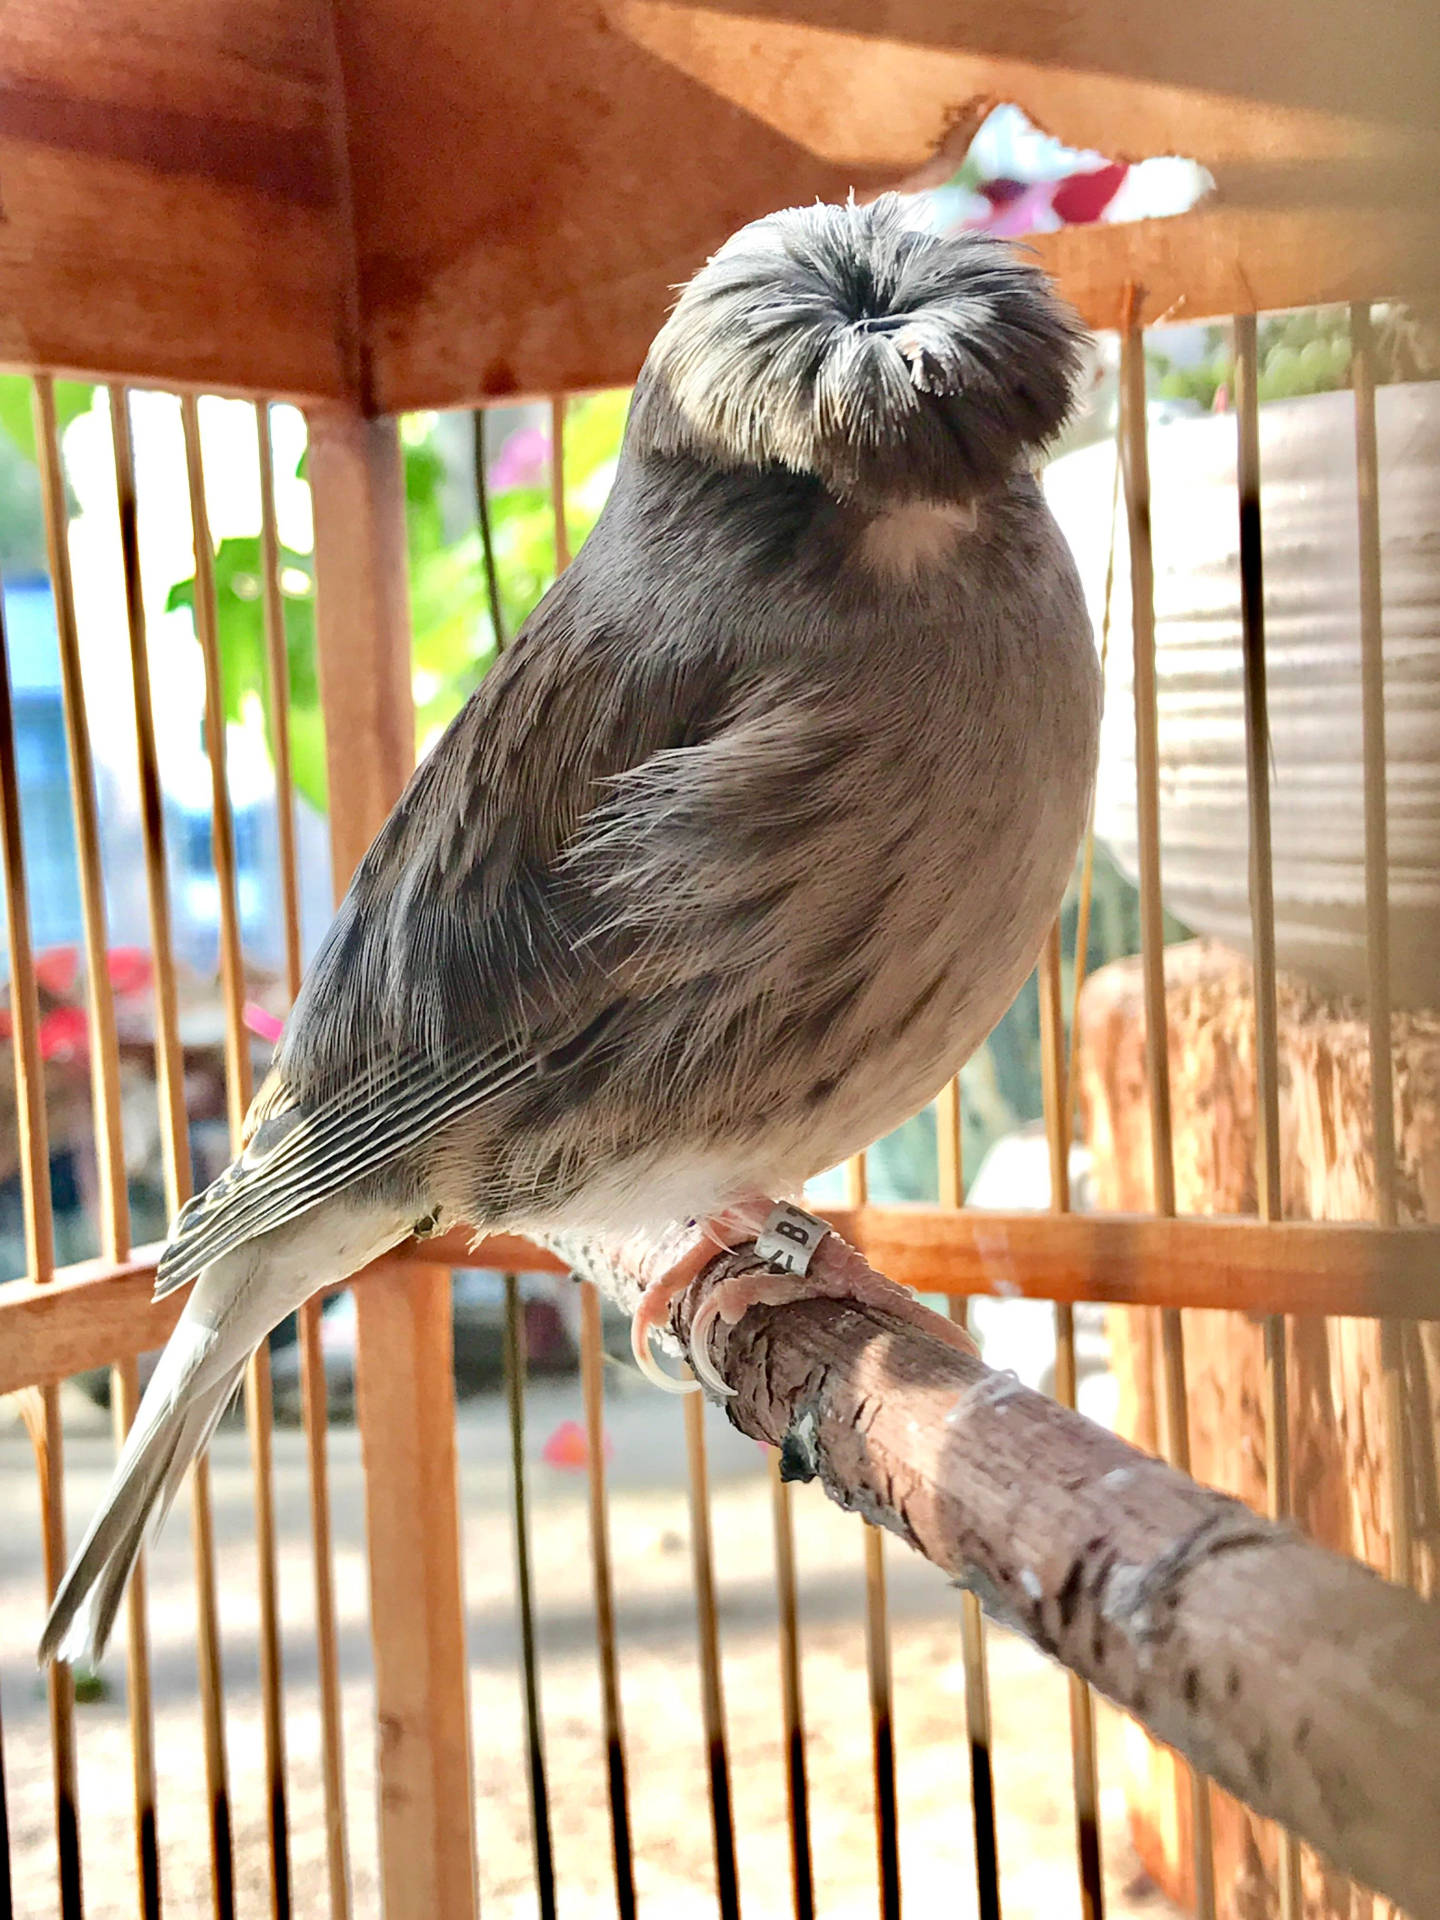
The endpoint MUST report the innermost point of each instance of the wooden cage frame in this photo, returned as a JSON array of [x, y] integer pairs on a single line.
[[392, 205]]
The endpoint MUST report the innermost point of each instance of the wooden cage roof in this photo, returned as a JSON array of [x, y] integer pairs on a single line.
[[415, 203]]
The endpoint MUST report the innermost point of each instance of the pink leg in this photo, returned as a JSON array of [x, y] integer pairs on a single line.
[[707, 1239], [835, 1272]]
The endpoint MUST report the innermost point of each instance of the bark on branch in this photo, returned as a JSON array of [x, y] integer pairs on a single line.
[[1296, 1678]]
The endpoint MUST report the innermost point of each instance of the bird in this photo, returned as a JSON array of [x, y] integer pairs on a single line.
[[732, 858]]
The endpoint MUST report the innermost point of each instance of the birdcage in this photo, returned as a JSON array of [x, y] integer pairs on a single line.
[[369, 211]]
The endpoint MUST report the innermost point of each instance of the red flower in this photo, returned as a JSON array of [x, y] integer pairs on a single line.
[[64, 1034], [1083, 197], [57, 970]]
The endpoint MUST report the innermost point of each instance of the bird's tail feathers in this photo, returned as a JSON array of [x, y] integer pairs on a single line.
[[234, 1304], [180, 1411]]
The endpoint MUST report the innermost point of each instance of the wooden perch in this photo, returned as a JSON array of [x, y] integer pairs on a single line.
[[1296, 1678]]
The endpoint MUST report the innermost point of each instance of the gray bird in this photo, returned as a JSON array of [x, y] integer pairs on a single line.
[[734, 857]]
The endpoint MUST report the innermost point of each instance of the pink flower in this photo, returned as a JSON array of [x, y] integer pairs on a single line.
[[523, 461]]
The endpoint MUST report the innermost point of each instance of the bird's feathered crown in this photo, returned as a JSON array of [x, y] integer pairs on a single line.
[[836, 341]]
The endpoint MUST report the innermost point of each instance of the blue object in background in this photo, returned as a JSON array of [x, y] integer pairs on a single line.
[[41, 763], [47, 822]]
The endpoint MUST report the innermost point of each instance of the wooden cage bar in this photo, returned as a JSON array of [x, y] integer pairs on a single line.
[[1057, 1130], [797, 1778], [1173, 1399], [712, 1693], [91, 1311], [950, 1191], [404, 1364], [313, 1392], [1278, 1495], [46, 1431], [878, 1663], [238, 1089], [592, 1382], [112, 1196], [515, 1364], [1377, 927], [170, 1077]]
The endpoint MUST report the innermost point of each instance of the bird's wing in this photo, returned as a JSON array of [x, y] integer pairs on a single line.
[[469, 948]]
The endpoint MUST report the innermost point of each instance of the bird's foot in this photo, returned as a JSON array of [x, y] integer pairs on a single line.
[[803, 1260], [701, 1243]]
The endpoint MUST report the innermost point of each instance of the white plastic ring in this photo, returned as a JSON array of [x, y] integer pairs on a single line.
[[788, 1240]]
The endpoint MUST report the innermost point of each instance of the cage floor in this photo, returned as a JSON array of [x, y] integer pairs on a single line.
[[660, 1681]]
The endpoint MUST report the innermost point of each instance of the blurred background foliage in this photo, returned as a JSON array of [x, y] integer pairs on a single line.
[[454, 638]]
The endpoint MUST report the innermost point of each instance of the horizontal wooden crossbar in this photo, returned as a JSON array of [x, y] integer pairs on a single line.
[[94, 1313]]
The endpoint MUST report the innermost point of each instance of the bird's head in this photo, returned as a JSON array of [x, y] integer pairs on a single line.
[[892, 365]]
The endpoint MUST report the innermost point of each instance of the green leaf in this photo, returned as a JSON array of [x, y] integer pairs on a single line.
[[244, 669], [72, 398], [454, 645]]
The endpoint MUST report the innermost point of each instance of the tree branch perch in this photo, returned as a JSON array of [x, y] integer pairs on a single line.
[[1297, 1679]]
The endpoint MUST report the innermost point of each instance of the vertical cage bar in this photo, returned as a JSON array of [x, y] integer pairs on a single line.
[[515, 1361], [882, 1722], [482, 516], [950, 1166], [277, 665], [30, 1115], [104, 1086], [877, 1660], [125, 1398], [175, 1137], [404, 1359], [7, 1887], [1135, 464], [802, 1874], [34, 1158], [712, 1698], [238, 1091], [515, 1356], [592, 1381], [61, 1679], [314, 1401], [314, 1394], [169, 1062], [1057, 1133], [259, 1404], [104, 1051], [1377, 926], [222, 827], [1262, 923], [558, 409], [212, 1698]]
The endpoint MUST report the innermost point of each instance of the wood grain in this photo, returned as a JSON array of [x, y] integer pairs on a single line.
[[1298, 1679], [95, 1312], [172, 197], [404, 1365], [266, 199], [362, 625], [406, 1393]]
